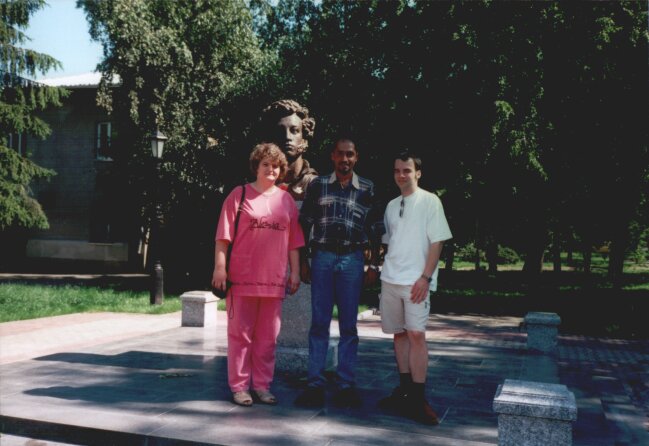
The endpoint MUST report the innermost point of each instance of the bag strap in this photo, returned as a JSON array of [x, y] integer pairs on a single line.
[[236, 226], [227, 258]]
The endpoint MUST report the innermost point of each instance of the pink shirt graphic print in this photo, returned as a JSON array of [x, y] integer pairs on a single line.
[[268, 229]]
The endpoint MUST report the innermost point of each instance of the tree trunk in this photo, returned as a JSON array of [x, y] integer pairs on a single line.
[[450, 256], [556, 253], [588, 253], [534, 260], [477, 248], [534, 252], [616, 255], [492, 254]]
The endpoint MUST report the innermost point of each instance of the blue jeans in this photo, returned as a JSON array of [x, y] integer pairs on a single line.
[[335, 279]]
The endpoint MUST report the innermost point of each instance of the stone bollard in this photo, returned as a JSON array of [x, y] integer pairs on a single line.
[[199, 309], [292, 354], [534, 414], [542, 329]]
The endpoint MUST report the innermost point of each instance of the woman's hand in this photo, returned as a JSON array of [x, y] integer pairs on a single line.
[[219, 278], [293, 282]]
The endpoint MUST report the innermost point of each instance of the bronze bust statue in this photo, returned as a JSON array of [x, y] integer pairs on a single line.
[[288, 124]]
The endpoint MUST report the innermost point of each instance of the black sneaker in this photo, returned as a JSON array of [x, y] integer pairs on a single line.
[[395, 402], [347, 397], [311, 397]]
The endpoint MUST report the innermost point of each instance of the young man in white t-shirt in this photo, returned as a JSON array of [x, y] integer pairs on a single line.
[[416, 229]]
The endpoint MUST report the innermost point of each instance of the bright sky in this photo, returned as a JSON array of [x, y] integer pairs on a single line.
[[61, 30]]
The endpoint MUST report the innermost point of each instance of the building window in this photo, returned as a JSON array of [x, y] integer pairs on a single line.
[[104, 136], [18, 142]]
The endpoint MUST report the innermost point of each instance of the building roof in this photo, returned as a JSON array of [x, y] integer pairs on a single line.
[[85, 80]]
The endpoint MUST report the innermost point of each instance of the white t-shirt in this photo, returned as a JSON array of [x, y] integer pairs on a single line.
[[409, 237]]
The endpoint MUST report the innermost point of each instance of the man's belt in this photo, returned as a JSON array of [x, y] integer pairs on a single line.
[[338, 248]]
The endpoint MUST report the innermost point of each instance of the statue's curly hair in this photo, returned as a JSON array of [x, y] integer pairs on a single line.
[[286, 107]]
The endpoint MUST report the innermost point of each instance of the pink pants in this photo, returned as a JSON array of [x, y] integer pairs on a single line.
[[252, 337]]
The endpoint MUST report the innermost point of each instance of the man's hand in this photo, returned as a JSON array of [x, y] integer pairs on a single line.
[[419, 291], [305, 271], [370, 277]]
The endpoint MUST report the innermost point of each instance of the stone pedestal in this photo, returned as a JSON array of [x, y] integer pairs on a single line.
[[199, 309], [542, 329], [540, 367], [534, 414], [292, 354]]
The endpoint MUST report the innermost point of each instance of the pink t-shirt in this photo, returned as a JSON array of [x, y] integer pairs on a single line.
[[268, 230]]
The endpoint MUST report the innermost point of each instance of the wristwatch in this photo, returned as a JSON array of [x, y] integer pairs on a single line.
[[374, 267], [429, 279]]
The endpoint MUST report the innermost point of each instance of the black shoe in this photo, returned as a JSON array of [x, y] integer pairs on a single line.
[[347, 397], [420, 411], [311, 397], [396, 402]]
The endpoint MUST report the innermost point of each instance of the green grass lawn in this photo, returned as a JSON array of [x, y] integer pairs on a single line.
[[599, 264], [21, 301], [28, 301]]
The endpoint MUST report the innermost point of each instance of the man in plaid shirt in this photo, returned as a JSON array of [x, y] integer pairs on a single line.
[[340, 208]]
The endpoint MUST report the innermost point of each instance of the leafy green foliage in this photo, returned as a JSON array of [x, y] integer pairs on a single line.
[[20, 100], [180, 66], [530, 117], [17, 207]]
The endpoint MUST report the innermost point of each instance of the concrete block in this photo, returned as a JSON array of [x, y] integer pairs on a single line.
[[542, 330], [199, 309], [534, 414]]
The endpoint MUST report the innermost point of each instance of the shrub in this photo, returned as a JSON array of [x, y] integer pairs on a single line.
[[466, 253], [507, 255]]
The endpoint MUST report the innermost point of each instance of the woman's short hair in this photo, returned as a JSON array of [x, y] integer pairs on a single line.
[[271, 151]]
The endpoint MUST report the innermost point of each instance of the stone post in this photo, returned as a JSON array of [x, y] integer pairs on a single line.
[[542, 329], [292, 354], [534, 414], [199, 309]]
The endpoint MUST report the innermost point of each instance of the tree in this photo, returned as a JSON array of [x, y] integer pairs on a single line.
[[180, 64], [20, 99], [528, 114]]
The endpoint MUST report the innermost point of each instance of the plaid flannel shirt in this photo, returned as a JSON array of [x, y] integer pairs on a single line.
[[340, 215]]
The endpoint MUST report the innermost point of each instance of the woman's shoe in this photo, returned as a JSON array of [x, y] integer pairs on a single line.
[[266, 397], [242, 398]]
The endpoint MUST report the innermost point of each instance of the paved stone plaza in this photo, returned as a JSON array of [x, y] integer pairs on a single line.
[[168, 386]]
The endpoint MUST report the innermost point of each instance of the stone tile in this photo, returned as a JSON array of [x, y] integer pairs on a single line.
[[124, 420], [117, 386], [104, 398], [240, 426], [470, 425], [13, 440]]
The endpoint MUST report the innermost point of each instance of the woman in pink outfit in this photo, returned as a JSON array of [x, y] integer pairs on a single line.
[[265, 248]]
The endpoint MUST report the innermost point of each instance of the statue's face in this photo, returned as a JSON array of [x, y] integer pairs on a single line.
[[289, 137]]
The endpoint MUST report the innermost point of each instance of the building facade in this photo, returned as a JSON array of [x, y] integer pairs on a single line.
[[86, 222]]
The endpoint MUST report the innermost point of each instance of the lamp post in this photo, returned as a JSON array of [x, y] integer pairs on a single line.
[[157, 274]]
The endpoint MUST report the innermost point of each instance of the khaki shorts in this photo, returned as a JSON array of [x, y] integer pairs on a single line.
[[398, 313]]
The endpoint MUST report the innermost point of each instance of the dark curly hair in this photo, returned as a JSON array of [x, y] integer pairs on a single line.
[[286, 107]]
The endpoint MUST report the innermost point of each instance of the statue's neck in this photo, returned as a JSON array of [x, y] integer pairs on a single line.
[[294, 169]]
